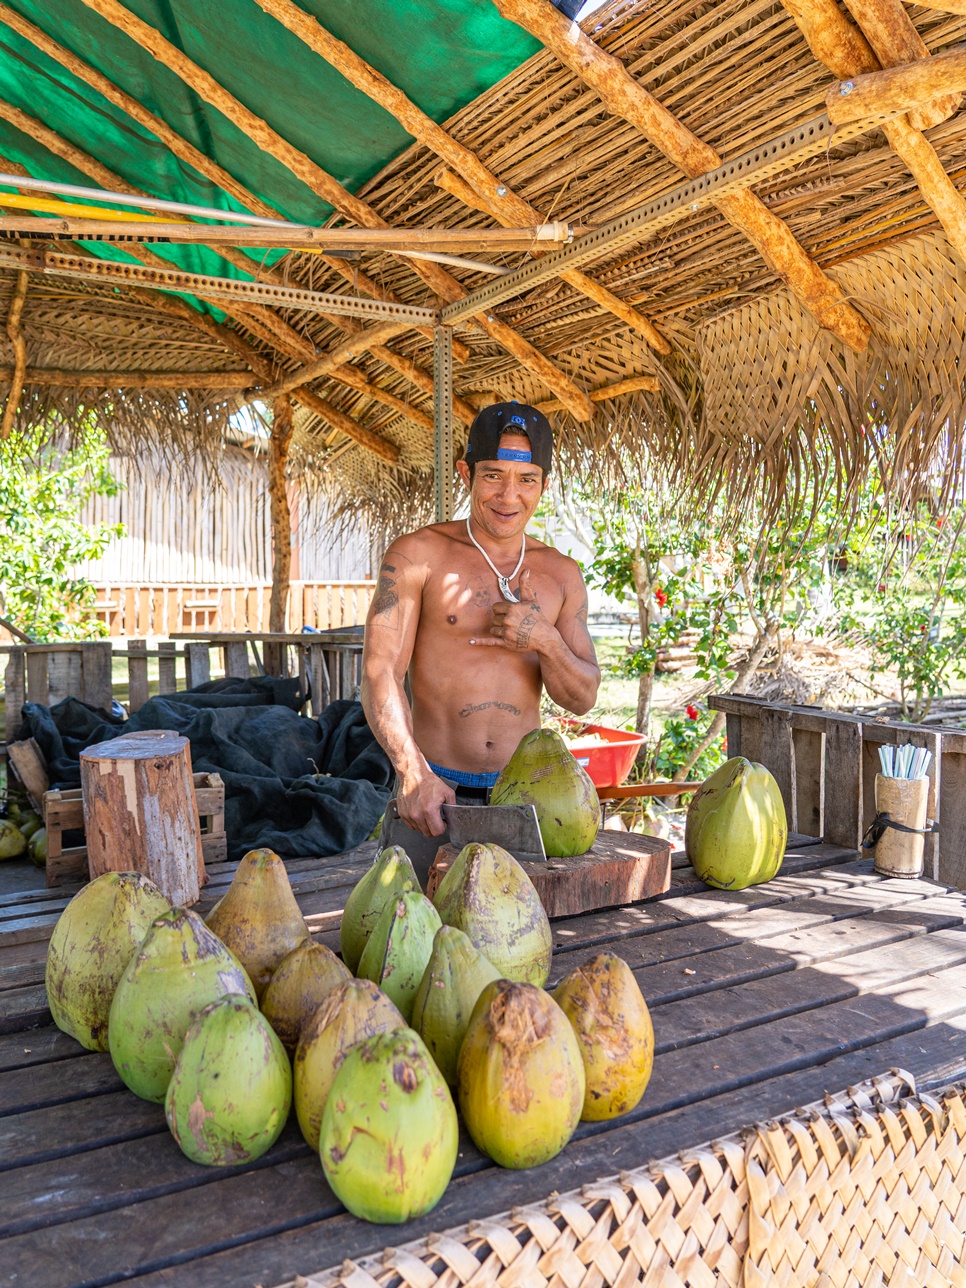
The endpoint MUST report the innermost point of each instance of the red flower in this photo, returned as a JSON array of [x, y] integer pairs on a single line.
[[882, 585], [660, 596], [691, 712]]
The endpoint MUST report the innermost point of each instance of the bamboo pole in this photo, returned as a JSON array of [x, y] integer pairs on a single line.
[[261, 133], [623, 96], [278, 450], [260, 320], [189, 154], [15, 333], [837, 43], [377, 240], [509, 208], [889, 30], [633, 384], [896, 89], [105, 379]]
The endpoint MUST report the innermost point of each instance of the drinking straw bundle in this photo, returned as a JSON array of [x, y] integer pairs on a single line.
[[906, 761]]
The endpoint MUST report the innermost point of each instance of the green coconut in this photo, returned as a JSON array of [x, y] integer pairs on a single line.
[[37, 848], [13, 843], [455, 977], [544, 773], [488, 896], [349, 1014], [736, 827], [389, 1133], [29, 823], [398, 950], [298, 988], [231, 1090], [180, 968], [258, 917], [520, 1075], [391, 874], [606, 1009], [95, 937]]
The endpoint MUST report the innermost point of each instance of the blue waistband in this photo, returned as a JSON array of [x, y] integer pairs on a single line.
[[463, 779]]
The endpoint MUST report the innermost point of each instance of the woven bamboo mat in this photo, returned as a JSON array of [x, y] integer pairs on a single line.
[[867, 1188]]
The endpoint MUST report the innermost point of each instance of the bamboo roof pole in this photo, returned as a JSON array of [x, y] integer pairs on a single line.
[[625, 97], [839, 44], [263, 321], [889, 30], [187, 152], [15, 335], [106, 379], [322, 183], [512, 208], [633, 384], [279, 443]]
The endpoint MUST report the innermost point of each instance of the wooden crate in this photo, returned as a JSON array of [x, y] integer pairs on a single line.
[[64, 812]]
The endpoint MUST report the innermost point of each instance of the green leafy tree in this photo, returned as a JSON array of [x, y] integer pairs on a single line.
[[906, 600], [42, 491]]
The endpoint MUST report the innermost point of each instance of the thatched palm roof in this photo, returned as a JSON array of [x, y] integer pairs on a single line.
[[817, 318]]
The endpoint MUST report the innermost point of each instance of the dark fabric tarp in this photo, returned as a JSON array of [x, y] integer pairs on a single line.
[[300, 786]]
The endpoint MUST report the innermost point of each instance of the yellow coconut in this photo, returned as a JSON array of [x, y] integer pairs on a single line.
[[605, 1006]]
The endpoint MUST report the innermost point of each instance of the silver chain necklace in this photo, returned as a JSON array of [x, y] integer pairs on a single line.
[[503, 582]]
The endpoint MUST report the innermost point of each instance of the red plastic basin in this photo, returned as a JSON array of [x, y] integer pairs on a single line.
[[608, 762]]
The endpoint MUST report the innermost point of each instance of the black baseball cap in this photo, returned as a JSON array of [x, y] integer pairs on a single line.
[[511, 418]]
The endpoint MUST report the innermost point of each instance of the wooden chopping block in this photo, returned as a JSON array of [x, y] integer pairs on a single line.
[[619, 868], [140, 813]]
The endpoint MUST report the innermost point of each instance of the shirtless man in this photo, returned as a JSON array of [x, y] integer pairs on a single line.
[[444, 611]]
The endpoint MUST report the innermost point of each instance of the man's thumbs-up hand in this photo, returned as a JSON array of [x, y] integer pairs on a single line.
[[519, 627]]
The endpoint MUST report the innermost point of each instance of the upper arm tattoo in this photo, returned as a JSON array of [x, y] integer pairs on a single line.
[[385, 602]]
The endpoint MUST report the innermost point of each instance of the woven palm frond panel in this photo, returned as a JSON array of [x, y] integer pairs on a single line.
[[865, 1189], [778, 388]]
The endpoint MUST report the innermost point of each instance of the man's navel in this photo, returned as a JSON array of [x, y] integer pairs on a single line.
[[452, 619], [489, 745]]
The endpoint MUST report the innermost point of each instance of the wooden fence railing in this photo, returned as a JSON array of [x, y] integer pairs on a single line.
[[329, 667], [826, 762], [161, 611]]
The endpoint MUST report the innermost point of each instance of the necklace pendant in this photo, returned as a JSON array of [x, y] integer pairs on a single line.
[[505, 591]]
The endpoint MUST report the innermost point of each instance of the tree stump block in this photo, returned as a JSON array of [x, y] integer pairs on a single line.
[[140, 813]]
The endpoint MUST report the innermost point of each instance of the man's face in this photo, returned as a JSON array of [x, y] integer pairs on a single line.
[[504, 494]]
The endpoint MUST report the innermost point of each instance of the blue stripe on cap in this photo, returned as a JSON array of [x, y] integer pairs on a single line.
[[511, 454]]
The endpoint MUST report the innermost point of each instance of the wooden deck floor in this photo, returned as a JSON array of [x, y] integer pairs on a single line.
[[762, 1000]]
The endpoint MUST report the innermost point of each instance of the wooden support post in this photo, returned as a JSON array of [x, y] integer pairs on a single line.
[[96, 680], [951, 866], [140, 812], [197, 664], [167, 667], [775, 753], [15, 334], [843, 784], [137, 674], [278, 450], [236, 660], [443, 422], [14, 692]]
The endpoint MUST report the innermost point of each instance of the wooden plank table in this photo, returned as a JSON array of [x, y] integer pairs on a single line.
[[762, 1000]]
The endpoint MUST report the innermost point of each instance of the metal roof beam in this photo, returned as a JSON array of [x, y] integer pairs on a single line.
[[809, 139]]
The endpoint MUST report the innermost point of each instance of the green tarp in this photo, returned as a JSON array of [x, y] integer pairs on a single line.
[[442, 53]]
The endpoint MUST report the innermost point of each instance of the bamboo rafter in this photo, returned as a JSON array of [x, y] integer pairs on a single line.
[[423, 128], [845, 52], [622, 95], [15, 335], [69, 378], [320, 182], [187, 153], [262, 321]]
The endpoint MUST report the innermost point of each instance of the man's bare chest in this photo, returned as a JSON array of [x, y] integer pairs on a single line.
[[463, 600]]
